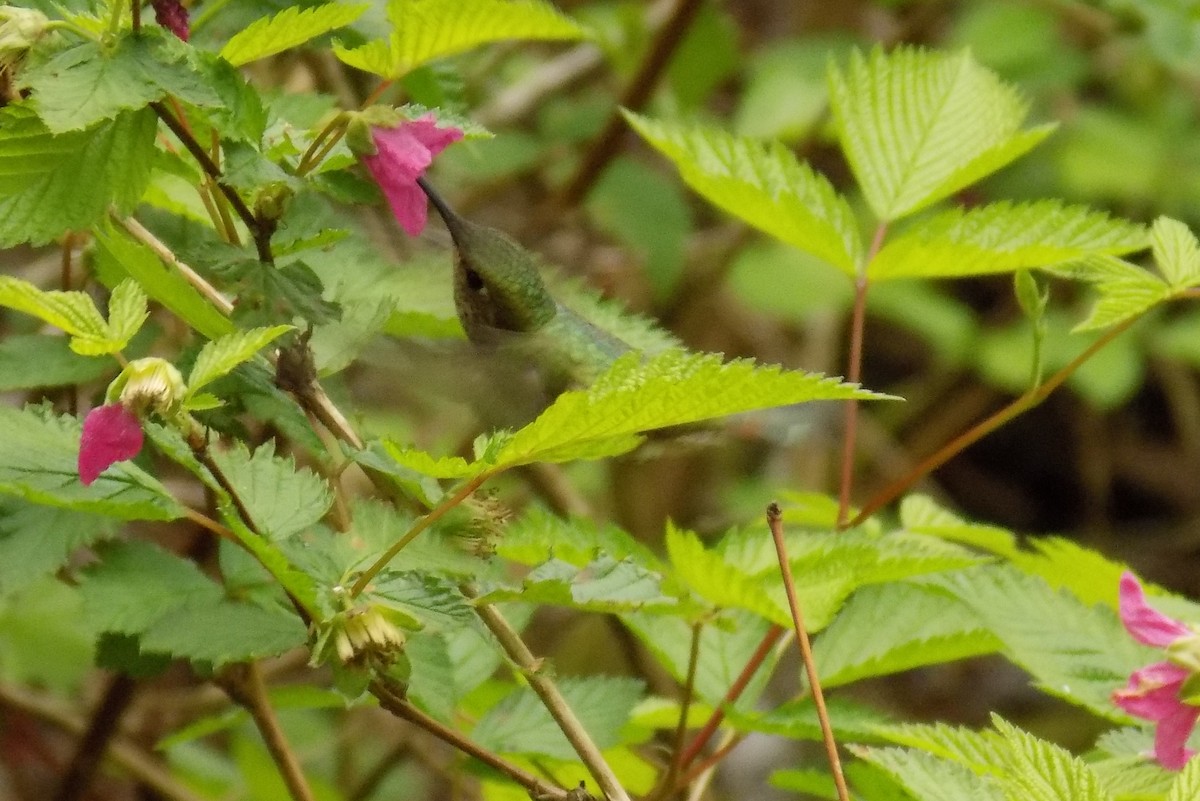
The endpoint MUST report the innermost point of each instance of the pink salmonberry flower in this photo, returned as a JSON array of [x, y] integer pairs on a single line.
[[171, 15], [111, 434], [1155, 692], [402, 154]]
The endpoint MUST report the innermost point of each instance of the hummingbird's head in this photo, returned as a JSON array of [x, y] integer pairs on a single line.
[[497, 285]]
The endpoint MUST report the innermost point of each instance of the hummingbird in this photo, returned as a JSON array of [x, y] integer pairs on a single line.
[[503, 303]]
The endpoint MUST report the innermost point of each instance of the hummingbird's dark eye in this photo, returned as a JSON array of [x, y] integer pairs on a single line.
[[474, 281]]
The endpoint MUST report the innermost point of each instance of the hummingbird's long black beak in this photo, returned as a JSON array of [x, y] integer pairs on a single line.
[[449, 217]]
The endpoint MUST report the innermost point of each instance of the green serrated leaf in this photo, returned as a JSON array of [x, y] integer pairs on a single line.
[[136, 583], [45, 360], [37, 540], [1041, 771], [1187, 784], [928, 778], [38, 462], [721, 583], [223, 632], [94, 81], [669, 389], [606, 586], [1126, 290], [73, 312], [1076, 652], [428, 465], [52, 184], [917, 126], [291, 27], [281, 500], [1003, 237], [126, 312], [220, 356], [764, 185], [1176, 252], [925, 626], [520, 723], [424, 30]]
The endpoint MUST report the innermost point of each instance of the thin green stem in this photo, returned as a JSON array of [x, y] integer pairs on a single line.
[[854, 375], [1027, 401], [310, 159], [775, 523], [135, 8], [689, 688], [434, 515]]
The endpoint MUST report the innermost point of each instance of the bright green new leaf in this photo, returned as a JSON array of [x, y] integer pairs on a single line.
[[52, 184], [1076, 652], [73, 312], [94, 81], [1176, 252], [427, 465], [119, 254], [1187, 783], [1002, 237], [925, 626], [221, 356], [282, 501], [289, 28], [763, 184], [917, 126], [424, 30], [126, 313], [1126, 290], [1037, 770], [669, 389], [521, 724], [718, 581], [928, 778]]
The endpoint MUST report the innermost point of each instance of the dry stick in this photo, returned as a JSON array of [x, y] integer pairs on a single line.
[[775, 522], [121, 752], [100, 731], [609, 141], [398, 706], [955, 446], [553, 700], [731, 695], [244, 684], [853, 375]]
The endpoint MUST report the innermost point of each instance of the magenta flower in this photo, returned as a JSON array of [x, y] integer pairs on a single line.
[[402, 154], [1154, 692], [171, 15], [111, 434]]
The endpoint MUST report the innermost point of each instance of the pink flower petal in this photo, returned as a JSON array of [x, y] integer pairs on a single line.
[[1147, 625], [402, 155], [110, 434], [1153, 691], [1170, 737]]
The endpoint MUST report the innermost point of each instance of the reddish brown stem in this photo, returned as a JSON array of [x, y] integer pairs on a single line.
[[955, 446], [735, 692], [775, 523]]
